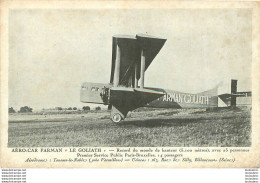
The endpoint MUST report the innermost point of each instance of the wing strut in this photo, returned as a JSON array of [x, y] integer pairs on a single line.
[[142, 68], [136, 76], [117, 66]]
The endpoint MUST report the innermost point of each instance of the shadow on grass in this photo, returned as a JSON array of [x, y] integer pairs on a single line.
[[172, 122], [158, 122]]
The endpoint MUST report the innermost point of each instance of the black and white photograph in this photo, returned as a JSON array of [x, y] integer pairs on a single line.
[[130, 78]]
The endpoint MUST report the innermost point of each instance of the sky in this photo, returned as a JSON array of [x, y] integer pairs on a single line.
[[52, 52]]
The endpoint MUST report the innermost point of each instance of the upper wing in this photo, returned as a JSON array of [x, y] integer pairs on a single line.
[[152, 46], [131, 55], [129, 52]]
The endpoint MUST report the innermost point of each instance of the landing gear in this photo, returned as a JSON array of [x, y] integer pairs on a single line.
[[117, 115], [116, 118]]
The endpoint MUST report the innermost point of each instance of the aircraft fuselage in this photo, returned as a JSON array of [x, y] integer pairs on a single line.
[[91, 93]]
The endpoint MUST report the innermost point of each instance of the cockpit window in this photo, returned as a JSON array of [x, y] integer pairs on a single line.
[[93, 89]]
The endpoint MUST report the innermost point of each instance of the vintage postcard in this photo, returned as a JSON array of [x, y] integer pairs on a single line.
[[129, 84]]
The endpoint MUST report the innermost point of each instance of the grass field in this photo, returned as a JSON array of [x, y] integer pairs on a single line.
[[162, 127]]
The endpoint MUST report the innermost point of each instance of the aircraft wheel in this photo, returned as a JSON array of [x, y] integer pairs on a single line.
[[116, 118]]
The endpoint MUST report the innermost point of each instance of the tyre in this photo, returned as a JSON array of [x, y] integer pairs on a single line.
[[116, 118]]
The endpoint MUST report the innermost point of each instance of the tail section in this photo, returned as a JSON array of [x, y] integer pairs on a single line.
[[234, 98], [233, 102]]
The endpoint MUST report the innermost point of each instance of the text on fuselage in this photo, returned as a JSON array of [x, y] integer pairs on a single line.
[[186, 98]]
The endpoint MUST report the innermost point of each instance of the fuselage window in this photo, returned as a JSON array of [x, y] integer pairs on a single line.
[[84, 88]]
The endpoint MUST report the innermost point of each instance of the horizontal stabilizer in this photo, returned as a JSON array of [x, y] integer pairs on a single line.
[[226, 95]]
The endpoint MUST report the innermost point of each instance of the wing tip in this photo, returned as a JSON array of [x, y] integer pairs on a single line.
[[141, 35], [149, 36], [122, 36]]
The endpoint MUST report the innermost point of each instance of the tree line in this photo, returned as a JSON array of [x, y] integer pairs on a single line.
[[27, 109], [24, 109]]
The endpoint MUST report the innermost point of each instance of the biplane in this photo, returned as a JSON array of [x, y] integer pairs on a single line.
[[131, 57]]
